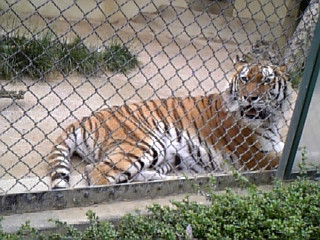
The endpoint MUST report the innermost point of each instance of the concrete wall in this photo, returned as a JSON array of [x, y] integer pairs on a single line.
[[273, 10], [258, 10], [77, 9]]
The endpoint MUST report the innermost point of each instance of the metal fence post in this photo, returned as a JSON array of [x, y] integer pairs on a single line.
[[307, 85]]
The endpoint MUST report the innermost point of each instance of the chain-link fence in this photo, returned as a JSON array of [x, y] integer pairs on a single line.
[[72, 58]]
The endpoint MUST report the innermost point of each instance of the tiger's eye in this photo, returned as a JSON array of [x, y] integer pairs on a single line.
[[268, 80], [244, 79]]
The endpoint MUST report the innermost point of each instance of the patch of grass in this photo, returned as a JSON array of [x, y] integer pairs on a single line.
[[22, 56], [296, 78], [75, 56], [35, 58], [119, 58]]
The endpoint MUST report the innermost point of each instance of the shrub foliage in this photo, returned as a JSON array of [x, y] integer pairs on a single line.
[[40, 55]]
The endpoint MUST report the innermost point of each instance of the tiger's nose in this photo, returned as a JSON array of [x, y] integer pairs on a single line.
[[250, 98]]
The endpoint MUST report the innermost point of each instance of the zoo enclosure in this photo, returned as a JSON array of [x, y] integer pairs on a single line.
[[184, 48]]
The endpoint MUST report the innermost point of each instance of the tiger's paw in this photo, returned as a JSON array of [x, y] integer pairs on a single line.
[[94, 175], [279, 147], [59, 184]]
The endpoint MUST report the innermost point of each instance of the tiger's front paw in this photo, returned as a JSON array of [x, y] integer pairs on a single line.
[[59, 184], [95, 175], [279, 147]]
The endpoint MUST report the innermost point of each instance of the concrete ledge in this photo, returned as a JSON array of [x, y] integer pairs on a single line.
[[89, 9], [77, 216], [106, 212], [35, 201]]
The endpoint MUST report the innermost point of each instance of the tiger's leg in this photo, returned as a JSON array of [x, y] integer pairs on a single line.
[[260, 160], [59, 158], [272, 150], [123, 163], [270, 161], [59, 166]]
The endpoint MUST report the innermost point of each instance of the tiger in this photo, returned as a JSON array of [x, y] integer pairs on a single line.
[[148, 140]]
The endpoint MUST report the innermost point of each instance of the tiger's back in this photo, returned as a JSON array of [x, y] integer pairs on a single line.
[[146, 141]]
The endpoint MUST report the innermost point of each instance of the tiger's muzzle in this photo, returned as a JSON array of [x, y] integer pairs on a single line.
[[251, 112]]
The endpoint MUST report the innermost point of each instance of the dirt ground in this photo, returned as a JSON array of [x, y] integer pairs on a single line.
[[182, 53]]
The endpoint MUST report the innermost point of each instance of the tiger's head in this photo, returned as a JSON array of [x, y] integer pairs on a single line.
[[258, 93]]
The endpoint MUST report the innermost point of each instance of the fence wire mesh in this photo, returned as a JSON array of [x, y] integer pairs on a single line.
[[71, 58]]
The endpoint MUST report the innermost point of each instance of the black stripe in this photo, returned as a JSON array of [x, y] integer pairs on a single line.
[[182, 105], [141, 145], [142, 113], [212, 162], [114, 178], [86, 136], [231, 87], [266, 137], [136, 124], [62, 176], [193, 169], [95, 134], [188, 135], [198, 132], [90, 124], [278, 90], [134, 163], [155, 124], [285, 95], [127, 108], [135, 157], [165, 168], [128, 177], [190, 149], [166, 102], [200, 161], [178, 132], [177, 162], [154, 112], [177, 118], [138, 164], [72, 130], [62, 166], [127, 118], [199, 154], [155, 156], [100, 117], [159, 112]]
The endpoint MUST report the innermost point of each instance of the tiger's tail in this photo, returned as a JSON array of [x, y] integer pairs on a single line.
[[59, 158]]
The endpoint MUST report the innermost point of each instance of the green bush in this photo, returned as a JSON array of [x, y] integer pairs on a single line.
[[22, 56], [118, 57], [291, 212], [296, 78], [38, 56], [75, 56]]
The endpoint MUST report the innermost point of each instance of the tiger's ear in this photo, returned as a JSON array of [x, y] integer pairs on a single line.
[[239, 61]]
